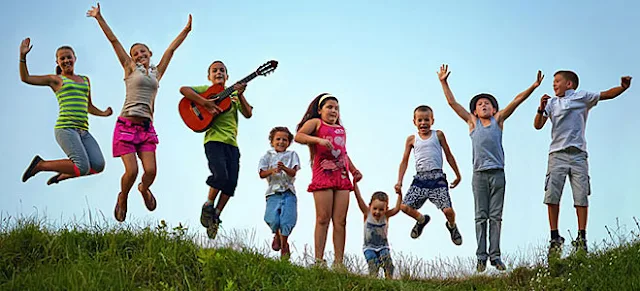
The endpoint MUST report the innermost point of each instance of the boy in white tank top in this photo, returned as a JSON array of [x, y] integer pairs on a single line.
[[430, 182]]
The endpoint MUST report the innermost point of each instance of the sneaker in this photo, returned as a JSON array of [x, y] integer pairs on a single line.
[[320, 263], [481, 265], [580, 244], [207, 214], [498, 264], [555, 246], [417, 229], [456, 237], [212, 229]]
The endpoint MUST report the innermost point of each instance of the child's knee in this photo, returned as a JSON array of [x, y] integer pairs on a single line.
[[323, 219], [97, 167], [406, 208], [131, 173], [150, 171], [82, 168]]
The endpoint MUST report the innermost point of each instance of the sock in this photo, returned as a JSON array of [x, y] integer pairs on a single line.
[[209, 201], [421, 219], [218, 212], [451, 225], [582, 233], [554, 234]]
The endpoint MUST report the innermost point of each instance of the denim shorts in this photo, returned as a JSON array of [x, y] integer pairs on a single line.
[[281, 212]]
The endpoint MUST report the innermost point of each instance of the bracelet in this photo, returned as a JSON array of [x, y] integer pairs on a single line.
[[540, 111], [23, 61]]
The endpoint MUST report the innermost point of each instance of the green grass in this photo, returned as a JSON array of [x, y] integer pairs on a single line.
[[34, 256]]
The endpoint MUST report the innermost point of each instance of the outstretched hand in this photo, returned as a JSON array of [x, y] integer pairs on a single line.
[[188, 27], [538, 79], [444, 73], [94, 11], [25, 47], [625, 82]]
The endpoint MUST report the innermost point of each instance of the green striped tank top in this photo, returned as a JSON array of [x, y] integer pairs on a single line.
[[73, 100]]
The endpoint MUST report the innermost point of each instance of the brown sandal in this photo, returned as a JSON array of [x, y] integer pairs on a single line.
[[149, 199], [120, 212]]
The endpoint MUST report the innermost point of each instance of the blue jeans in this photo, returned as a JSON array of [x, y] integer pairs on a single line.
[[82, 149], [282, 212], [377, 259]]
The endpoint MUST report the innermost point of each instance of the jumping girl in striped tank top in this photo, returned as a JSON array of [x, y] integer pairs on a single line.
[[134, 132], [72, 127]]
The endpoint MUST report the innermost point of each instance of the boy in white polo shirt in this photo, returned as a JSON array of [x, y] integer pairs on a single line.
[[568, 151]]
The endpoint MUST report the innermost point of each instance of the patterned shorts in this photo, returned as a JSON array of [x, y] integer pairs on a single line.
[[430, 185]]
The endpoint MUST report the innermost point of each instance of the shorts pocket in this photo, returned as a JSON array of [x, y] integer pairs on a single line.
[[546, 181], [152, 138], [125, 135]]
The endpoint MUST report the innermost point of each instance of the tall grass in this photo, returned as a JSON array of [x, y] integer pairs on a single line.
[[36, 254]]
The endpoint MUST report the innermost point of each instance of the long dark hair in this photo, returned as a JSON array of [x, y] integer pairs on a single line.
[[312, 112], [64, 47]]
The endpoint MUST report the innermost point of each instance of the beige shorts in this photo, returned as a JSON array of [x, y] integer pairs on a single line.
[[570, 162]]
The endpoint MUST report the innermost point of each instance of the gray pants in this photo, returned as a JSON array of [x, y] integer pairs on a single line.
[[82, 149], [488, 193]]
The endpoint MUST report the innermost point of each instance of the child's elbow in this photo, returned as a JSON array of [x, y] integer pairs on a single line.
[[184, 90]]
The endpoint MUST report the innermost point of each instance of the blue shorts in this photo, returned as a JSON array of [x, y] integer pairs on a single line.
[[430, 185], [281, 212], [377, 259]]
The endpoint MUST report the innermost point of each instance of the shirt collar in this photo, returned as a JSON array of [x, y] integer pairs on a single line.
[[569, 92]]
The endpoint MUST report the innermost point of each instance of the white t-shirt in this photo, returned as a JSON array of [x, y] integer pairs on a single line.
[[568, 116], [279, 182]]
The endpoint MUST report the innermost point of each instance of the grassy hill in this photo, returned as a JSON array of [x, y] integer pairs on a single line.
[[74, 257]]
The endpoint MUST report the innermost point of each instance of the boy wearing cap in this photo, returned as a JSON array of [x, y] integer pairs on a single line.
[[568, 150], [488, 182]]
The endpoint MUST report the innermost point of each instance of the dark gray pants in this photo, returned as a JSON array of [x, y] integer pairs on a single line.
[[488, 192]]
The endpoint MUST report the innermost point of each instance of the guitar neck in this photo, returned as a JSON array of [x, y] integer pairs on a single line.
[[227, 92]]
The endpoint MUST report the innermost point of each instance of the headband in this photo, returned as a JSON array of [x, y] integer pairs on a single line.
[[325, 97]]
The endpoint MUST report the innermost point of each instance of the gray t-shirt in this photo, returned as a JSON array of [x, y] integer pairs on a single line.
[[568, 116]]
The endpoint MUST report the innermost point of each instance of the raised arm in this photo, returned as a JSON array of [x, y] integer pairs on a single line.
[[93, 109], [123, 57], [463, 113], [168, 54], [540, 119], [393, 211], [46, 80], [503, 114], [408, 145], [616, 91], [450, 159], [363, 206]]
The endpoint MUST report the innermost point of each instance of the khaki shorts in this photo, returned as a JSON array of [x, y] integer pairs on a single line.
[[572, 162]]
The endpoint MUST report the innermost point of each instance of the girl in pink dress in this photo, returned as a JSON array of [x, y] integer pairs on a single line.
[[320, 129]]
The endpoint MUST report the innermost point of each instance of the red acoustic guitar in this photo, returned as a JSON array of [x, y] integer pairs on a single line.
[[198, 118]]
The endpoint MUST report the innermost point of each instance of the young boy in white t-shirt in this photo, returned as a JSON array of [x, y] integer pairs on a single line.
[[568, 112], [279, 167]]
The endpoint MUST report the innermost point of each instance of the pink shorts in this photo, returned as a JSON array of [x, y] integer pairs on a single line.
[[130, 137]]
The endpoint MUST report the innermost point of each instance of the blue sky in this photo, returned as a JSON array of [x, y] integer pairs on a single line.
[[379, 57]]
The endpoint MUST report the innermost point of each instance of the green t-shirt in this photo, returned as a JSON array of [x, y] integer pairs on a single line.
[[225, 127]]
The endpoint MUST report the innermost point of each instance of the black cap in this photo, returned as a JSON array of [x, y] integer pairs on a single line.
[[474, 100]]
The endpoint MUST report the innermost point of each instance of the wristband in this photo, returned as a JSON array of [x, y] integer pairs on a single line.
[[540, 111], [23, 60]]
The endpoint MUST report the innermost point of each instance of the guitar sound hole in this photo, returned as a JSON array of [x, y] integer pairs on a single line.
[[195, 110]]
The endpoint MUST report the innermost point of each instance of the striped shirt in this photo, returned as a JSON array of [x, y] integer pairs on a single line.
[[73, 100]]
